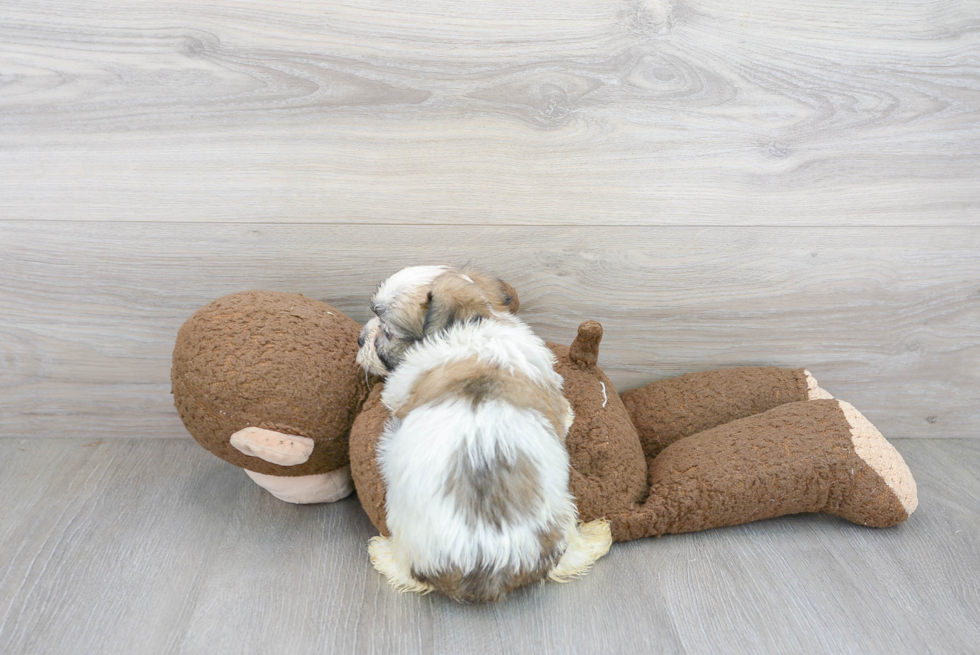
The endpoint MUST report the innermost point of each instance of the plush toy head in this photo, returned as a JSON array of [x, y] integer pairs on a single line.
[[276, 361]]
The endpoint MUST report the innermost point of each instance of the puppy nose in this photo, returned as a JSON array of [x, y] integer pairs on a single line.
[[360, 341]]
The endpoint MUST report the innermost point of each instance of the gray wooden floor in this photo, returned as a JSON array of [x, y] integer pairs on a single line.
[[154, 546]]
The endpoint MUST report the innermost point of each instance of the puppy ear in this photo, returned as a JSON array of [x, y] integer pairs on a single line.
[[510, 299], [502, 296], [453, 299]]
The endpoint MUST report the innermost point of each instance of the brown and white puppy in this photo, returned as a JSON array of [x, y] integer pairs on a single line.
[[473, 459]]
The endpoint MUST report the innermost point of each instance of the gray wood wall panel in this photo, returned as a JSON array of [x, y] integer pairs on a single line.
[[886, 319], [154, 546], [549, 112], [782, 184]]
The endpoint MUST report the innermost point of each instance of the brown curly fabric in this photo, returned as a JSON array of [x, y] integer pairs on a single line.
[[791, 456], [795, 458], [608, 472], [671, 409], [364, 436], [273, 360]]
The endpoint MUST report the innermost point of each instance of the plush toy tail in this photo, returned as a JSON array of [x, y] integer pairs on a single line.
[[815, 456]]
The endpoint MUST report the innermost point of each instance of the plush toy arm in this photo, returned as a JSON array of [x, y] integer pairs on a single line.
[[364, 436], [672, 409], [819, 456]]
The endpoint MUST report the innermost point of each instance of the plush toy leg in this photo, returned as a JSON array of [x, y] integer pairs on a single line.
[[817, 456], [305, 489], [672, 409]]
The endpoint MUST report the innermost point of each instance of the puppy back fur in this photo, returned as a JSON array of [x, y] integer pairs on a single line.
[[473, 459], [474, 463]]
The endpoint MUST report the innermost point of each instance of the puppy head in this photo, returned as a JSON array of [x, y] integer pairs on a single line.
[[421, 301]]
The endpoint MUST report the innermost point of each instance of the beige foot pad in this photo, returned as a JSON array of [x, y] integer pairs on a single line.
[[306, 489], [273, 447], [813, 390], [881, 456]]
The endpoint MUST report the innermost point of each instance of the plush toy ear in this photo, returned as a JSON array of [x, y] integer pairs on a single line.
[[453, 299]]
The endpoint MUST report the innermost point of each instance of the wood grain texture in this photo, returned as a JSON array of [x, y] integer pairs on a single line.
[[721, 184], [440, 112], [888, 320], [107, 543], [154, 546]]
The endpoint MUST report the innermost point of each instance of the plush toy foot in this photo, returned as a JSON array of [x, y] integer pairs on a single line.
[[305, 489], [815, 456], [864, 503], [813, 390]]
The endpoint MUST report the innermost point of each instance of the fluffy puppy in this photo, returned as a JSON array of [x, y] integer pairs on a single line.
[[473, 459]]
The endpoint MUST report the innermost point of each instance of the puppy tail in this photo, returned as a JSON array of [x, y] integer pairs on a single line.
[[587, 542], [399, 576]]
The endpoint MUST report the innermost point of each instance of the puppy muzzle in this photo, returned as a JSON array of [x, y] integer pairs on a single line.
[[368, 356]]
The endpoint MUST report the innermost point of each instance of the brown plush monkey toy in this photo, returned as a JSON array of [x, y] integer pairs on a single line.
[[699, 451], [267, 381]]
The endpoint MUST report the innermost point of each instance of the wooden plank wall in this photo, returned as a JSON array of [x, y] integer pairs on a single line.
[[768, 183]]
